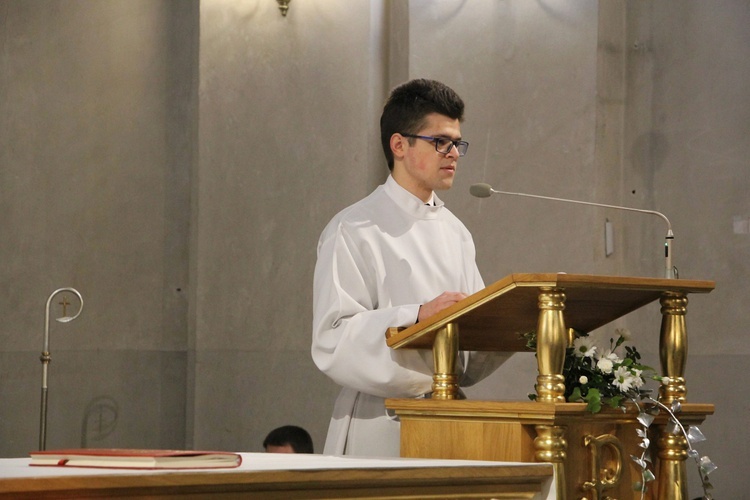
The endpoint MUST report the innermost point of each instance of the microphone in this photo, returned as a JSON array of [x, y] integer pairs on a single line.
[[482, 190]]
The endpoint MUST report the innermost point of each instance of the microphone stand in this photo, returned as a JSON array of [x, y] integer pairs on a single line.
[[483, 190], [46, 358]]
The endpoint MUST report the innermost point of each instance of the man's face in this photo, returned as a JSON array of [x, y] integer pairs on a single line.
[[285, 448], [418, 167]]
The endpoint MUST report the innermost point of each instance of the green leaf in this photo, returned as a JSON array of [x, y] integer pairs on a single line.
[[594, 401], [575, 395], [615, 401], [594, 406]]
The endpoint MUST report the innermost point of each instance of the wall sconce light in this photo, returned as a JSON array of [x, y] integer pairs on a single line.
[[283, 6]]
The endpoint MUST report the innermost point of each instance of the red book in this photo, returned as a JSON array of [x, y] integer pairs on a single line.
[[136, 458]]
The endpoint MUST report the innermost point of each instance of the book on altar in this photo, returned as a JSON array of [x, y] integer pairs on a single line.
[[121, 458]]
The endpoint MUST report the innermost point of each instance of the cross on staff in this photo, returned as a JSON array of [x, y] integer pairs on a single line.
[[64, 303]]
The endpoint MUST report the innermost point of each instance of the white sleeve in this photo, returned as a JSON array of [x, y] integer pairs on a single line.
[[348, 341], [477, 365]]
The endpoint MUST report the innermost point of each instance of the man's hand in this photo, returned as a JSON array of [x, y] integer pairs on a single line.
[[445, 299]]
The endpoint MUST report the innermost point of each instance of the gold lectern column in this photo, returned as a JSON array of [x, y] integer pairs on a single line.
[[551, 446], [672, 449], [551, 342], [444, 355], [671, 470], [673, 347]]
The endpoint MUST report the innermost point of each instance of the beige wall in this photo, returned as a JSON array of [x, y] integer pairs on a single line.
[[94, 177], [286, 122], [176, 160]]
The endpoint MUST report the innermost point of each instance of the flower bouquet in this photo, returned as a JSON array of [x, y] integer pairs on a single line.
[[599, 376], [614, 375]]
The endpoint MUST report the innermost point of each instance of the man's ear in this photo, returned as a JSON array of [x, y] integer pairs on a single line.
[[398, 145]]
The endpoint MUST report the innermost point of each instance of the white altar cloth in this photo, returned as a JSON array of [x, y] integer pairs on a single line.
[[16, 468]]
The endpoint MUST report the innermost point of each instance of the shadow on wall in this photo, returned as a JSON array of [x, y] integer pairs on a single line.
[[650, 151], [99, 419]]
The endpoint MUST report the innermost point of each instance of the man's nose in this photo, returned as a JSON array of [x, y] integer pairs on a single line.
[[453, 151]]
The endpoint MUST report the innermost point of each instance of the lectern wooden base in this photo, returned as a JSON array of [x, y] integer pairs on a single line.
[[591, 453]]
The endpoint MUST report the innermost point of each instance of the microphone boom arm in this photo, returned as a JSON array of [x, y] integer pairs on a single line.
[[485, 190]]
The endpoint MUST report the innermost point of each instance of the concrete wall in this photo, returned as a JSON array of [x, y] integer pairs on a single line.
[[95, 160], [287, 117], [176, 160], [686, 154]]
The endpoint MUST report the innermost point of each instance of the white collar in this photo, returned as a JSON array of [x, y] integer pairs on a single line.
[[410, 203]]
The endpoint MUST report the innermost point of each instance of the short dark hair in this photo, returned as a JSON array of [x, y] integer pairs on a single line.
[[408, 105], [297, 437]]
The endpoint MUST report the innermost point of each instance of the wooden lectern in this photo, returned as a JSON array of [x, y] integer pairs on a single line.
[[590, 453]]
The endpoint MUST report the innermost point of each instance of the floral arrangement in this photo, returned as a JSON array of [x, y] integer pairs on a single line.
[[614, 375], [599, 376]]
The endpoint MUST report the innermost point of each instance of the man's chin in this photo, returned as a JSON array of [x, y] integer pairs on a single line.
[[445, 185]]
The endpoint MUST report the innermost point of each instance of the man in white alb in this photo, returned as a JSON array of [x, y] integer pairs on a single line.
[[392, 259]]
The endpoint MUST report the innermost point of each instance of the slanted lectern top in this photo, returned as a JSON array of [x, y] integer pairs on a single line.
[[495, 318]]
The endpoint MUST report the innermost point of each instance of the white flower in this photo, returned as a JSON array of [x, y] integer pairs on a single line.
[[611, 355], [607, 361], [637, 379], [624, 380], [665, 380], [583, 347], [624, 333], [583, 380], [605, 365]]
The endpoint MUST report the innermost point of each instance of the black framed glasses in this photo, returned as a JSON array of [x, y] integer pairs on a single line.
[[443, 144]]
